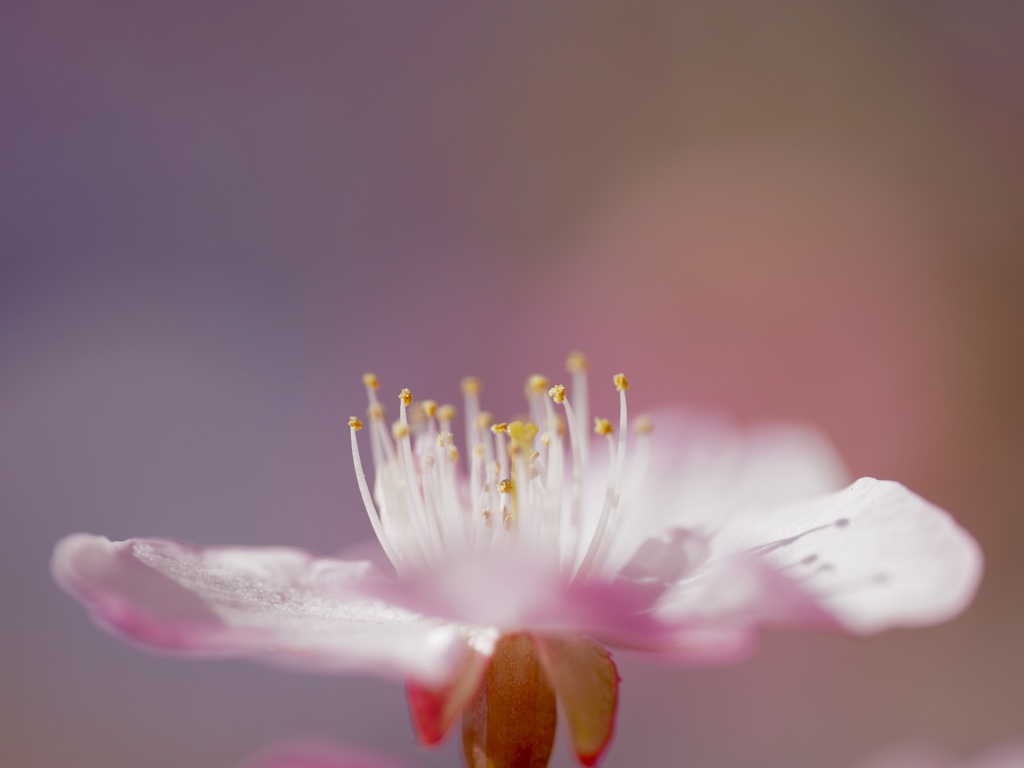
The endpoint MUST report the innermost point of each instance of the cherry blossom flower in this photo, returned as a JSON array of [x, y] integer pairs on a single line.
[[323, 755], [508, 576], [318, 755]]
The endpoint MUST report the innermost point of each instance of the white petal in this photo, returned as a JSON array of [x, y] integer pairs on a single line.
[[872, 556], [279, 605], [702, 467]]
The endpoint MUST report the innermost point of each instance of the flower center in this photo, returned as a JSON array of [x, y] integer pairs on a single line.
[[516, 491]]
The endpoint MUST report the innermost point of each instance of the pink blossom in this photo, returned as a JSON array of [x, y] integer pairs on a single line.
[[509, 574], [318, 755]]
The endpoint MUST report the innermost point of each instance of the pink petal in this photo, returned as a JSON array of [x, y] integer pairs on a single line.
[[513, 591], [703, 463], [318, 755], [872, 556], [702, 467], [434, 708], [278, 605], [1010, 755], [733, 595], [712, 605], [586, 683]]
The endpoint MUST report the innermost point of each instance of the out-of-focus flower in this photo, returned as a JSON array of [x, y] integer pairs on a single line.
[[305, 755], [318, 755], [1009, 755], [508, 578]]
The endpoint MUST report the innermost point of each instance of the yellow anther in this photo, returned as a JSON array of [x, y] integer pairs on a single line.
[[443, 439], [500, 428], [505, 486], [446, 413], [483, 420], [429, 408], [470, 385], [643, 425], [557, 393], [355, 423], [486, 515], [495, 468], [478, 451], [428, 460], [576, 362], [522, 434], [545, 439], [535, 455], [602, 426], [370, 380], [406, 397], [537, 384], [507, 521], [375, 411], [621, 382], [399, 430], [453, 454]]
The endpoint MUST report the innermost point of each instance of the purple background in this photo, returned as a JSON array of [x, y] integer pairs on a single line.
[[214, 217]]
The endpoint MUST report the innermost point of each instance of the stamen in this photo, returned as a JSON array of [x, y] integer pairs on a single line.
[[379, 443], [576, 362], [537, 384], [471, 397], [426, 509], [500, 452], [371, 511], [575, 446], [614, 487], [643, 425], [577, 365], [413, 489], [639, 461], [522, 434]]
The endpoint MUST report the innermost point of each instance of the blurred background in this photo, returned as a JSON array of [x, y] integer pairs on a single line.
[[214, 217]]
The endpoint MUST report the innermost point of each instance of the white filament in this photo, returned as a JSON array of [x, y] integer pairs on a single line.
[[430, 509]]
